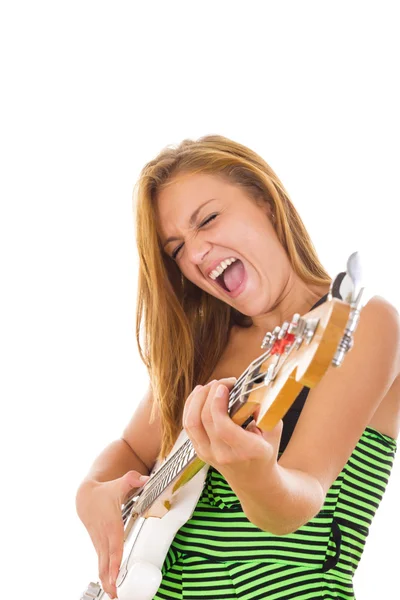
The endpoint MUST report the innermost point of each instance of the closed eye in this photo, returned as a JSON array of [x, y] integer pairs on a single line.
[[205, 222]]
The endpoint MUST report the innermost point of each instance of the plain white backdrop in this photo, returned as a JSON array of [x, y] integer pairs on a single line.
[[90, 92]]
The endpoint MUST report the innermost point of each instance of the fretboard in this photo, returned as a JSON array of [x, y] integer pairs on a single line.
[[175, 464]]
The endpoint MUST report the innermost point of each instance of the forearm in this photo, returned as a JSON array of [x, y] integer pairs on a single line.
[[114, 461], [279, 502]]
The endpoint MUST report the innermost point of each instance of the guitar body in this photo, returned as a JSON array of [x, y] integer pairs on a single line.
[[150, 537]]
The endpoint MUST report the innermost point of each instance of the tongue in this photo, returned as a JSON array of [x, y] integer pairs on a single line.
[[233, 275]]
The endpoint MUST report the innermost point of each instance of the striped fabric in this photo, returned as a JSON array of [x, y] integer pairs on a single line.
[[219, 554]]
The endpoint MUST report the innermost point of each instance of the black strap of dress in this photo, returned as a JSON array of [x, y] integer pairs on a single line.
[[291, 417]]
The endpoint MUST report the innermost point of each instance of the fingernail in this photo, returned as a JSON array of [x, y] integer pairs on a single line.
[[220, 391], [144, 477]]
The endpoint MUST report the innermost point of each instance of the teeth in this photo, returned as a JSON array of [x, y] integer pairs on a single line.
[[221, 268]]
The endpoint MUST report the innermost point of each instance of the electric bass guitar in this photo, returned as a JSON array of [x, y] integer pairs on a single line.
[[296, 354]]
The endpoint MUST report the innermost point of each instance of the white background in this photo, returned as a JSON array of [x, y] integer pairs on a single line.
[[90, 92]]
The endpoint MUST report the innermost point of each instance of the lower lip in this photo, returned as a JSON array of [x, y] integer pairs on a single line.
[[238, 290]]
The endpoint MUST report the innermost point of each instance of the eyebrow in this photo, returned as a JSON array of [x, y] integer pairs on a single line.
[[191, 221]]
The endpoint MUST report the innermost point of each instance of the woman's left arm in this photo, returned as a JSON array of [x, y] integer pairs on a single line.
[[281, 496]]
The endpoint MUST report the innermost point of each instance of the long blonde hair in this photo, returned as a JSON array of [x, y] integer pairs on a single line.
[[184, 329]]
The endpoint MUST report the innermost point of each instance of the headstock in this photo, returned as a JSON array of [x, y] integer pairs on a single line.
[[298, 354]]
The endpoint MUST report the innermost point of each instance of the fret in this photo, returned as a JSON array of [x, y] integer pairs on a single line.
[[172, 468]]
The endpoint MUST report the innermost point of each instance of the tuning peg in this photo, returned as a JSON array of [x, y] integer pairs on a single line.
[[283, 330], [270, 338], [294, 323], [354, 271], [348, 287], [266, 340]]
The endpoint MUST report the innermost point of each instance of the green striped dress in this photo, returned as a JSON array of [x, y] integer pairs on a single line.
[[220, 554]]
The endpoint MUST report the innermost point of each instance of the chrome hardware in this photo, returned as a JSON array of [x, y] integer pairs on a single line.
[[309, 330], [294, 324], [266, 340], [350, 287], [346, 343], [271, 372], [354, 298], [298, 327], [283, 330], [355, 274], [270, 338], [93, 591]]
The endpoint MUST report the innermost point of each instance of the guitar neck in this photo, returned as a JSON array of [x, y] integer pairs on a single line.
[[174, 466]]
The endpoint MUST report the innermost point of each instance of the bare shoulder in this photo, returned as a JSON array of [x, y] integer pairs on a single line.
[[142, 434], [386, 418], [380, 322], [344, 402]]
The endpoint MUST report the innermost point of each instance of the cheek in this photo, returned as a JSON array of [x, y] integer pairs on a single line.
[[191, 273]]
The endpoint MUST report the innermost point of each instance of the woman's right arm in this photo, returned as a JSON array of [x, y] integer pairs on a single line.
[[137, 449], [111, 478]]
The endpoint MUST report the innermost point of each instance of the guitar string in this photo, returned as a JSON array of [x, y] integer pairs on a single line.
[[164, 472], [162, 476], [177, 455], [153, 487]]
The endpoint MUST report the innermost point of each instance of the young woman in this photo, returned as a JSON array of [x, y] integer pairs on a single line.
[[224, 258]]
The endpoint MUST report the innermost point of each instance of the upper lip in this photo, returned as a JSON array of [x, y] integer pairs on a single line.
[[217, 262]]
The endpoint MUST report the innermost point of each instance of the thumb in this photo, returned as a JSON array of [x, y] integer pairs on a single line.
[[130, 481], [273, 435]]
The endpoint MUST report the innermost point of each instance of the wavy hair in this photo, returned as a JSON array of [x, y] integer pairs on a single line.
[[181, 330]]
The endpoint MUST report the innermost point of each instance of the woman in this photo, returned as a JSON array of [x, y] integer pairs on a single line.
[[224, 258]]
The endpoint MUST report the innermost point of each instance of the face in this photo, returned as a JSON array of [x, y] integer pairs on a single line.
[[205, 223]]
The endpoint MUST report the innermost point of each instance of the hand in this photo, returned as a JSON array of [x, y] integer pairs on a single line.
[[219, 441], [99, 508]]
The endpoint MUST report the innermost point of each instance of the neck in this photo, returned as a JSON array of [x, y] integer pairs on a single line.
[[295, 297]]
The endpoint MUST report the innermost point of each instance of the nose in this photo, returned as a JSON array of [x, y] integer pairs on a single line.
[[198, 250]]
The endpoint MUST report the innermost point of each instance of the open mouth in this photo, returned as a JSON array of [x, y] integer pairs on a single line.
[[221, 283], [232, 277]]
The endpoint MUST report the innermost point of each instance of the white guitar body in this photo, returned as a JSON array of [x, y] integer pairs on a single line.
[[149, 539]]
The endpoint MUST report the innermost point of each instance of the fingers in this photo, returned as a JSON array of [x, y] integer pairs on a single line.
[[199, 417], [130, 481], [108, 533], [216, 438], [200, 393], [225, 430], [110, 551], [116, 546], [191, 418], [103, 562]]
